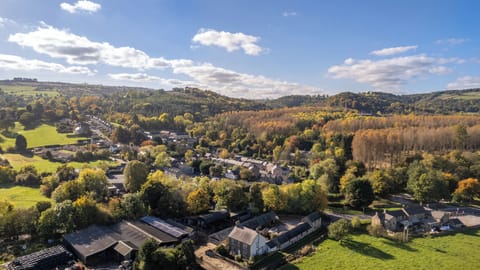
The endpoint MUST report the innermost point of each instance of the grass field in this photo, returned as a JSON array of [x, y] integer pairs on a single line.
[[26, 90], [17, 161], [39, 136], [22, 197], [463, 96], [459, 251]]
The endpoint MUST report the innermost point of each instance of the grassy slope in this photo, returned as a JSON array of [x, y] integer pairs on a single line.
[[39, 136], [22, 197], [460, 251], [26, 90]]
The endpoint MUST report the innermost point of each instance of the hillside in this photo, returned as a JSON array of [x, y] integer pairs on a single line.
[[208, 103]]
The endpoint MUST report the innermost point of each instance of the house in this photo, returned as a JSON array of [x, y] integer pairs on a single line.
[[246, 242], [414, 215]]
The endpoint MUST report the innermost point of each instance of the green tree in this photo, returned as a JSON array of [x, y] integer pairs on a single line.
[[20, 143], [256, 197], [94, 182], [135, 173], [359, 193], [428, 186]]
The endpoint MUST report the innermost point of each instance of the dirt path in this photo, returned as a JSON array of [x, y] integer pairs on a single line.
[[213, 263]]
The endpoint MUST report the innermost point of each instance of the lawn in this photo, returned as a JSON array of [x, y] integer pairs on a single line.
[[39, 136], [17, 161], [459, 251], [22, 197]]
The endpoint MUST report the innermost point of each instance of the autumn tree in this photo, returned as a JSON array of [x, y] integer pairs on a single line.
[[467, 190], [198, 201], [94, 182]]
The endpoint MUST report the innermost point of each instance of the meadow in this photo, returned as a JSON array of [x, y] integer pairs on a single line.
[[22, 197], [39, 136], [362, 251]]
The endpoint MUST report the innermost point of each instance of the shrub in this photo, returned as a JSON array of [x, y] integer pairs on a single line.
[[377, 231], [356, 223], [339, 229]]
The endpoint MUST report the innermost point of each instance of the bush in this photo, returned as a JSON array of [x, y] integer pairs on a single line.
[[27, 179], [377, 231], [339, 229], [222, 250], [356, 223]]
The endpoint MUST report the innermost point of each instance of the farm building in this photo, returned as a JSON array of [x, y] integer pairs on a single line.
[[119, 242], [49, 258], [246, 242]]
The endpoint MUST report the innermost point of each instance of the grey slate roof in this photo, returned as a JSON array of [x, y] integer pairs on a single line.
[[92, 240], [260, 221], [124, 248], [285, 237], [243, 234]]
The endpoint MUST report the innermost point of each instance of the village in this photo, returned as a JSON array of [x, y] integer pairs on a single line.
[[229, 238]]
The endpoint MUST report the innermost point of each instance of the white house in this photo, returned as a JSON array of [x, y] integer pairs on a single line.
[[246, 242]]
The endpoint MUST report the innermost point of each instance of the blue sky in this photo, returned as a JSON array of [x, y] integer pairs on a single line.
[[245, 48]]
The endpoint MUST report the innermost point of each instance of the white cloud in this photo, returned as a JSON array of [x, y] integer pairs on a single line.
[[80, 50], [13, 62], [451, 41], [289, 14], [393, 50], [466, 82], [82, 5], [229, 41], [390, 74]]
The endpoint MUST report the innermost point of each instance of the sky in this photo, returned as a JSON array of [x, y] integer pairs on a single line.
[[245, 48]]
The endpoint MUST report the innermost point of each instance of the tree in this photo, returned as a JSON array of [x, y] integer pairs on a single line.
[[339, 229], [429, 186], [71, 190], [256, 197], [49, 184], [94, 182], [85, 212], [20, 143], [467, 189], [66, 172], [273, 198], [162, 160], [133, 206], [359, 193], [198, 201], [135, 173]]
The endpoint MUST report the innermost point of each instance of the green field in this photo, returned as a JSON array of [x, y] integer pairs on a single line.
[[459, 251], [26, 90], [39, 136], [463, 96], [17, 161], [22, 197]]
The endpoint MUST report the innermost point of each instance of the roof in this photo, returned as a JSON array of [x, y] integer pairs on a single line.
[[243, 234], [312, 217], [124, 248], [394, 213], [260, 221], [161, 237], [214, 216], [48, 258], [285, 237], [415, 210], [165, 227], [92, 240]]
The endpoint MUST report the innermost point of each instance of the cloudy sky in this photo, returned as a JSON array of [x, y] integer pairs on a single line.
[[245, 48]]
